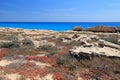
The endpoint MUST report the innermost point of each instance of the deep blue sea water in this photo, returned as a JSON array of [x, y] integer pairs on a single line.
[[57, 26]]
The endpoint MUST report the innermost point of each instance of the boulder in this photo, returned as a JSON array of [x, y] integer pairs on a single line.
[[119, 29], [77, 28], [118, 41], [89, 29], [104, 29]]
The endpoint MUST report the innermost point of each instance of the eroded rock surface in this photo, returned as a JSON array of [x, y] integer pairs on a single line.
[[95, 48], [102, 29]]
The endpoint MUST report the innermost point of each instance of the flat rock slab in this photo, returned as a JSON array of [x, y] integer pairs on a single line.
[[107, 51]]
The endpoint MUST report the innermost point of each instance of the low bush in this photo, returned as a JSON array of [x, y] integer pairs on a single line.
[[51, 53], [68, 61], [8, 36], [13, 44], [25, 50], [12, 37], [112, 40], [102, 66], [27, 42], [48, 48]]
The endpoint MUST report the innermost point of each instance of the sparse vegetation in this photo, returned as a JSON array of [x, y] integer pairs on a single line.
[[4, 36], [112, 40], [22, 78], [2, 75], [51, 53], [68, 61], [24, 51], [12, 37], [48, 48], [102, 66], [13, 44], [27, 42], [54, 58]]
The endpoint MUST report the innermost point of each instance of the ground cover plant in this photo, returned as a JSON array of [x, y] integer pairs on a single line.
[[58, 62]]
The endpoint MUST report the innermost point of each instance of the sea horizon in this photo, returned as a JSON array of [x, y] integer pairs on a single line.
[[56, 26], [60, 21]]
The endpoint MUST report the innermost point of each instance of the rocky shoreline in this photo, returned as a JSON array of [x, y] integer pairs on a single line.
[[74, 53], [103, 29]]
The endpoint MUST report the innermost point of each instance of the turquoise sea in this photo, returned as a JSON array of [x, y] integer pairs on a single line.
[[57, 26]]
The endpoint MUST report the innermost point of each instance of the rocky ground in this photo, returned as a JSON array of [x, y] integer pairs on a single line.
[[50, 55]]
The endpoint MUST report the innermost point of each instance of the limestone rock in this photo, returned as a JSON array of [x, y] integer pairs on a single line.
[[109, 44], [119, 41], [105, 29], [119, 28], [90, 52], [77, 28], [80, 38], [99, 48]]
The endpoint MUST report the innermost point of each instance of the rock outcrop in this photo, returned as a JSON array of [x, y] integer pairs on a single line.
[[92, 51], [92, 48], [109, 44], [102, 29], [119, 29], [80, 38], [77, 28], [118, 41]]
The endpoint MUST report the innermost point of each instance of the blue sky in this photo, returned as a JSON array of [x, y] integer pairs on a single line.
[[60, 10]]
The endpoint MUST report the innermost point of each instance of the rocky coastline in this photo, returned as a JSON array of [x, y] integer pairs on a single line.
[[91, 54], [103, 29]]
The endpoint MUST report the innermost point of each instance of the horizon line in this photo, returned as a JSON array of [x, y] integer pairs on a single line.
[[59, 22]]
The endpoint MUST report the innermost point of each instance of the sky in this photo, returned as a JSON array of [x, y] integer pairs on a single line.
[[59, 10]]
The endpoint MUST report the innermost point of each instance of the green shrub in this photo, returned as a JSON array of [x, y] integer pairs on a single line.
[[51, 53], [24, 50], [68, 61], [12, 37], [48, 47], [13, 44], [28, 42], [59, 39], [8, 37], [112, 40]]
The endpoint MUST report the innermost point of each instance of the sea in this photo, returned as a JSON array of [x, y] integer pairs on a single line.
[[56, 26]]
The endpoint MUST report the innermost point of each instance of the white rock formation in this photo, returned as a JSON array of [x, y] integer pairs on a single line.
[[97, 47]]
